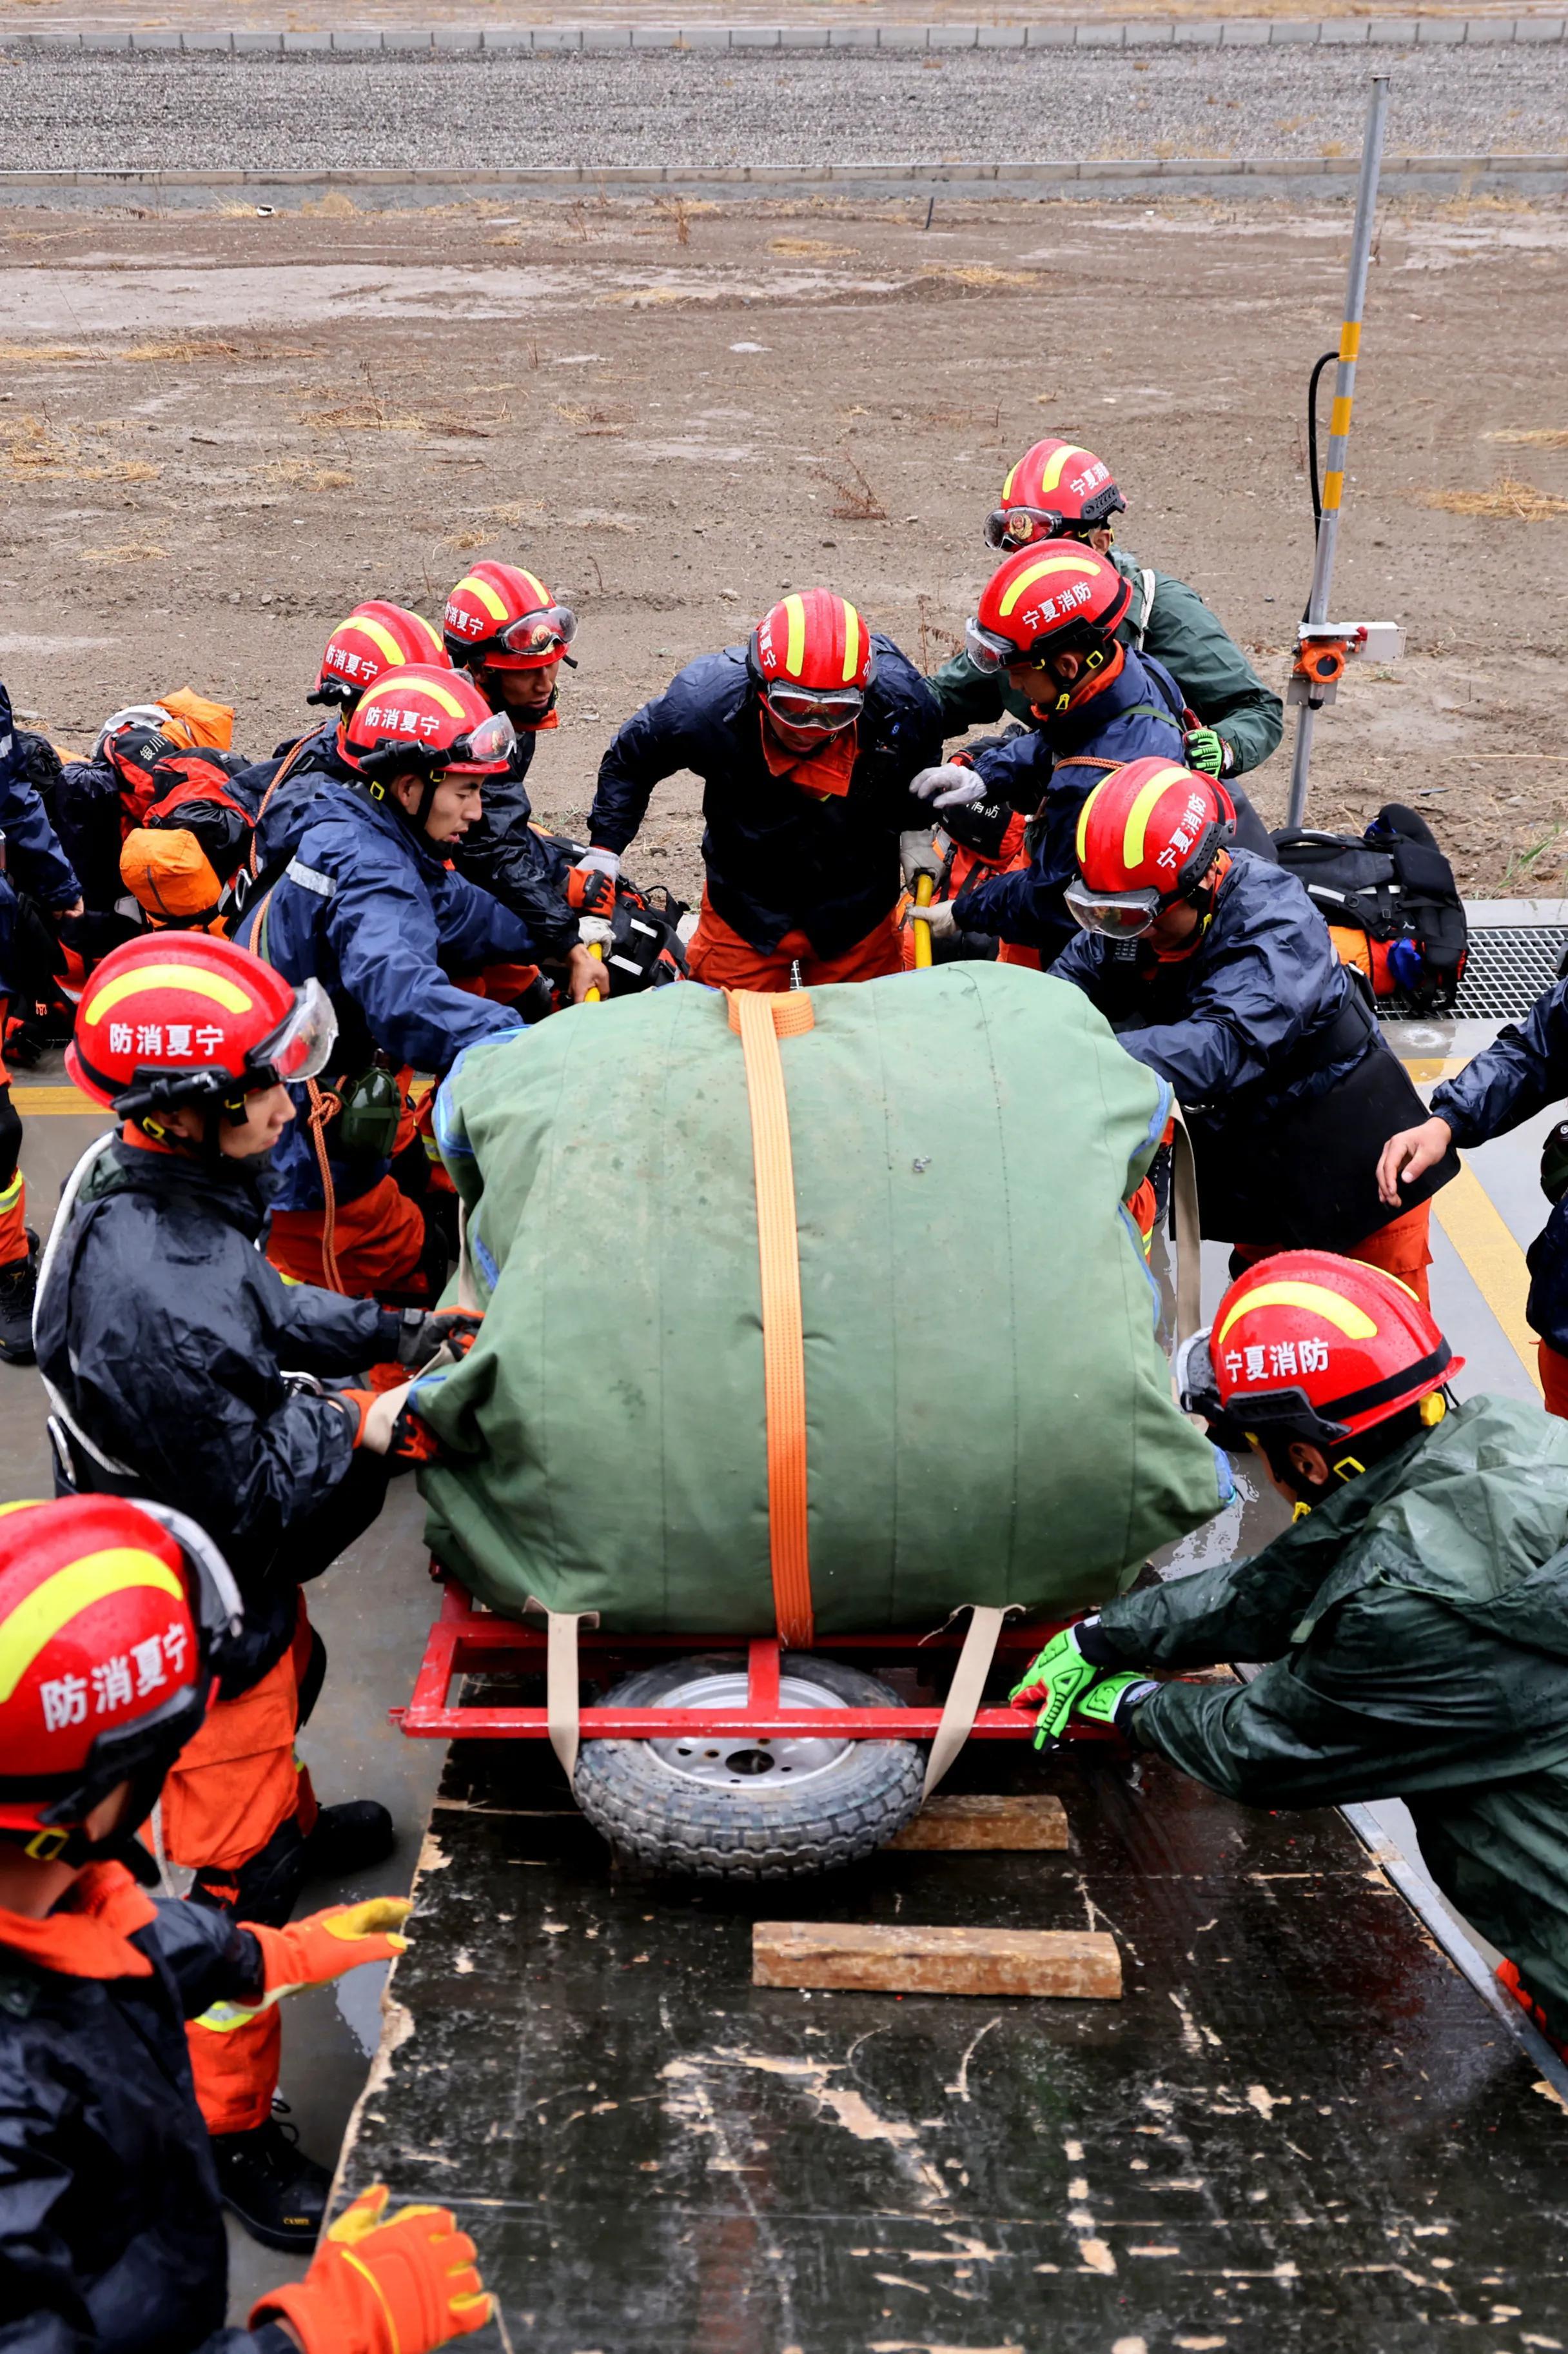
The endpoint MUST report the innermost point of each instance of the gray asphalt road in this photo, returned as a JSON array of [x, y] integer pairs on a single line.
[[669, 107]]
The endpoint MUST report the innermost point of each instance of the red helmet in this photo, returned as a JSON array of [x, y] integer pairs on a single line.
[[1055, 491], [428, 721], [376, 637], [1046, 599], [1309, 1346], [502, 617], [114, 1618], [812, 657], [1147, 834], [188, 1018]]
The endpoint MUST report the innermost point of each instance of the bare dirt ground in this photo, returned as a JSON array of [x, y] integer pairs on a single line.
[[218, 431], [301, 15]]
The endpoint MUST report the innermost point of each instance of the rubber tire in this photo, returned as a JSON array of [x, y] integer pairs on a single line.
[[650, 1814]]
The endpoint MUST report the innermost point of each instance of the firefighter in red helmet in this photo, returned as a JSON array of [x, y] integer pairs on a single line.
[[1410, 1620], [807, 740], [502, 626], [115, 1617], [1218, 971], [181, 1368], [1060, 490]]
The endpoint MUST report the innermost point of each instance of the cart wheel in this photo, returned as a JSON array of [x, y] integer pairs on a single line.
[[738, 1810]]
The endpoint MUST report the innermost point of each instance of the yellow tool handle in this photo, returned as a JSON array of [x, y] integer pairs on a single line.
[[923, 887], [595, 995]]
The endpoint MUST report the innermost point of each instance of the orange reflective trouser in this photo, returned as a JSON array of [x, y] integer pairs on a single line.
[[232, 1790], [378, 1244], [717, 954], [1402, 1249], [12, 1184], [1553, 1378]]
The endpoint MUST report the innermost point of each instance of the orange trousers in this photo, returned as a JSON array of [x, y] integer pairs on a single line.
[[1553, 1367], [1402, 1249], [378, 1239], [232, 1789], [718, 956]]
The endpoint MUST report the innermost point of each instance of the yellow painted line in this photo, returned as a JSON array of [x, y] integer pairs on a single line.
[[70, 1101], [1478, 1232]]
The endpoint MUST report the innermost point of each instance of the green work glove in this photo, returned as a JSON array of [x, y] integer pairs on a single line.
[[1111, 1700], [1052, 1683], [1209, 753]]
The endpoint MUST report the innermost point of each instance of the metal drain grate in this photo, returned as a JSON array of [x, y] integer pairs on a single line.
[[1506, 970]]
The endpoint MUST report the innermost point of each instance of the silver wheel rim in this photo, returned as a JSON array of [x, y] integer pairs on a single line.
[[737, 1762]]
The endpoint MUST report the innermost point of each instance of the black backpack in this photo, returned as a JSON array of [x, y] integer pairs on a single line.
[[1393, 885]]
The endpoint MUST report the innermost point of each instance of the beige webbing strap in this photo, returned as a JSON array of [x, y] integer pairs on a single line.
[[467, 1297], [761, 1020], [962, 1704], [1188, 1246], [563, 1682]]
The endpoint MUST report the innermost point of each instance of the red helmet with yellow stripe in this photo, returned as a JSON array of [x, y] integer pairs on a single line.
[[114, 1618], [501, 617], [813, 658], [376, 637], [1149, 833], [188, 1018], [1055, 491], [428, 722], [1044, 600], [1306, 1345]]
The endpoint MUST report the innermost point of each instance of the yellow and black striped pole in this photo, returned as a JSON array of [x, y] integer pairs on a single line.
[[1339, 418]]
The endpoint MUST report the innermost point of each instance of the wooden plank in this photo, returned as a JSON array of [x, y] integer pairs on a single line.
[[1019, 1825], [1079, 1963]]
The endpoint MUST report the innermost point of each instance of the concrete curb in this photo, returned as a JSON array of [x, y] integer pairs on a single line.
[[999, 178], [1083, 33]]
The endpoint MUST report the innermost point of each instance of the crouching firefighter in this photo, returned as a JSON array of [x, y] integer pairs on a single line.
[[164, 1334], [369, 909], [807, 739], [115, 1616], [1049, 617], [1216, 969], [1411, 1620]]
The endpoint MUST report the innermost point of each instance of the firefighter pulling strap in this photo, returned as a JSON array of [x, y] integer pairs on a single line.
[[761, 1020]]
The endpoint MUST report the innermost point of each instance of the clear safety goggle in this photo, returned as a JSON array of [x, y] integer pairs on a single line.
[[548, 630], [297, 1049], [1017, 527], [482, 750], [987, 651], [1117, 915], [824, 710]]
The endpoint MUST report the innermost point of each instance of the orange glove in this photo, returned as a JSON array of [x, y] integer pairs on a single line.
[[400, 2287], [325, 1945]]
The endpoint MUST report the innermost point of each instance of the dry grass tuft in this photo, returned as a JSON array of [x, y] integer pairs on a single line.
[[303, 474], [644, 298], [855, 500], [32, 451], [182, 347], [129, 551], [513, 513], [606, 418], [810, 249], [37, 354], [1536, 436], [333, 205], [980, 275], [1508, 501], [463, 541]]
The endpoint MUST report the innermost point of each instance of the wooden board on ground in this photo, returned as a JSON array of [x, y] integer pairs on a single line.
[[1017, 1825], [1081, 1965]]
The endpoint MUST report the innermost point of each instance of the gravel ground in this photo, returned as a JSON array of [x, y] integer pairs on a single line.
[[304, 111]]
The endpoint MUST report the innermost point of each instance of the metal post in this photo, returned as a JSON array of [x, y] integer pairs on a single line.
[[1339, 418]]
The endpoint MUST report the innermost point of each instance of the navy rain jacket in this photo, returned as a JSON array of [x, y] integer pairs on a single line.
[[1524, 1069], [778, 860], [111, 2235], [368, 909], [167, 1333], [33, 854]]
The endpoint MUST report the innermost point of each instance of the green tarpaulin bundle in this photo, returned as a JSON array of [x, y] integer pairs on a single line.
[[968, 1403]]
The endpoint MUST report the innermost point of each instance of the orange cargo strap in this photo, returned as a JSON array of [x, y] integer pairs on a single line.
[[761, 1020]]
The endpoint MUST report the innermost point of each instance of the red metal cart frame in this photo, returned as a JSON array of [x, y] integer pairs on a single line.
[[467, 1641]]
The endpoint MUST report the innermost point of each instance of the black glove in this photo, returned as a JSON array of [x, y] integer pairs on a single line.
[[423, 1333]]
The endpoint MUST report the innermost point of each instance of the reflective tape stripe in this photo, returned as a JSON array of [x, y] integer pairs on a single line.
[[1333, 491], [1339, 415], [310, 878], [1349, 339]]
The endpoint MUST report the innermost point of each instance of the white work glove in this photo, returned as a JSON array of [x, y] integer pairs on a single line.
[[918, 856], [947, 787], [594, 932], [938, 915]]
